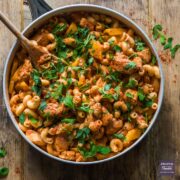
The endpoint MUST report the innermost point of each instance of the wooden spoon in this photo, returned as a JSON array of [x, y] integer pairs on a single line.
[[35, 51]]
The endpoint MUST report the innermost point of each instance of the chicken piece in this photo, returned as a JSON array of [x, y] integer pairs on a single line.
[[145, 55], [24, 71], [131, 95], [123, 64], [54, 109], [85, 23]]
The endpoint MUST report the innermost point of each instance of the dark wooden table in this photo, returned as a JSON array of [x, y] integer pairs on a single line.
[[162, 142]]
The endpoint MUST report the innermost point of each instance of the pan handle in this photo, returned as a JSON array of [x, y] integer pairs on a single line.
[[38, 7]]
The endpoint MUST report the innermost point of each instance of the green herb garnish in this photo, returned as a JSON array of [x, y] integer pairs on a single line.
[[130, 65], [174, 50], [82, 134], [43, 105], [156, 30], [128, 94], [120, 136], [33, 120], [132, 83], [68, 120], [4, 171], [94, 149], [68, 101], [37, 82], [85, 107], [117, 48], [2, 152], [168, 45], [141, 94], [59, 28], [153, 61], [22, 118], [139, 44]]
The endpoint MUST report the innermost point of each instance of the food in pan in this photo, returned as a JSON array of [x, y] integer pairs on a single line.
[[96, 98]]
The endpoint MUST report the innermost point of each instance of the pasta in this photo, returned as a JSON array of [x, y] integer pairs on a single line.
[[93, 101]]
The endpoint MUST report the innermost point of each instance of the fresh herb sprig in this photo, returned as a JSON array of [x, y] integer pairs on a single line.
[[94, 149], [166, 42]]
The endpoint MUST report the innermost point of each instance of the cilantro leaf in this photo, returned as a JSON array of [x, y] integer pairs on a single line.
[[117, 48], [68, 101], [4, 171], [139, 44], [162, 39], [85, 107], [174, 50], [156, 30], [141, 94], [130, 65], [120, 136], [94, 149], [57, 92], [37, 82], [43, 105], [132, 83], [90, 61], [59, 28], [168, 45], [2, 152], [114, 76], [82, 134], [153, 61], [33, 120], [128, 94], [107, 87], [68, 120], [22, 118], [148, 103]]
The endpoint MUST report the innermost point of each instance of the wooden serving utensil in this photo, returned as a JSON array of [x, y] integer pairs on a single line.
[[35, 51]]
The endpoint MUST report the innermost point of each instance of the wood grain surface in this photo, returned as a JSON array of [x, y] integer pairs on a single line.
[[141, 163]]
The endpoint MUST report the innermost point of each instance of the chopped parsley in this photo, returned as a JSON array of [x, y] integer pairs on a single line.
[[114, 76], [94, 149], [174, 50], [128, 94], [57, 94], [37, 82], [33, 120], [85, 107], [156, 29], [153, 61], [141, 95], [107, 87], [82, 134], [117, 48], [43, 105], [130, 65], [120, 136], [68, 101], [68, 120], [22, 118], [59, 28], [139, 45], [90, 61], [132, 83], [168, 45], [2, 152], [4, 171]]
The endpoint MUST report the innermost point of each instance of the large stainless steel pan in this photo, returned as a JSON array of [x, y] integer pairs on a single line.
[[39, 8]]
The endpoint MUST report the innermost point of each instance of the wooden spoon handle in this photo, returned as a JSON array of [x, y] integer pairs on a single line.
[[14, 30]]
